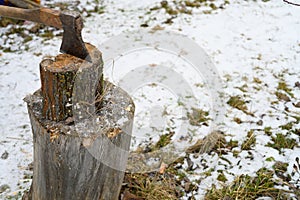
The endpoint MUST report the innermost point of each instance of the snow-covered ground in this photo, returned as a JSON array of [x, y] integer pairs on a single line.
[[254, 45]]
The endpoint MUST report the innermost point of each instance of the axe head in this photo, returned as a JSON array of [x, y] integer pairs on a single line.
[[72, 42]]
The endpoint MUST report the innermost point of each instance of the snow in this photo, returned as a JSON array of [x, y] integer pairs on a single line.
[[246, 40]]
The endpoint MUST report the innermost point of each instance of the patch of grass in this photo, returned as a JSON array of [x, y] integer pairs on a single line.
[[27, 39], [214, 142], [4, 21], [287, 126], [280, 168], [243, 88], [257, 80], [222, 147], [270, 159], [281, 141], [297, 118], [3, 188], [174, 8], [8, 50], [232, 144], [171, 169], [152, 186], [296, 131], [213, 6], [238, 103], [164, 140], [274, 102], [47, 34], [219, 145], [237, 120], [235, 153], [246, 187], [258, 88], [283, 86], [250, 141], [192, 4], [99, 9], [283, 97], [198, 117], [208, 172], [221, 177], [95, 6], [268, 130]]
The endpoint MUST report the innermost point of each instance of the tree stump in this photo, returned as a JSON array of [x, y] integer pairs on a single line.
[[81, 131]]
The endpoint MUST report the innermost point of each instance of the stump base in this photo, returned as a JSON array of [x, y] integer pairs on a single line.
[[68, 165]]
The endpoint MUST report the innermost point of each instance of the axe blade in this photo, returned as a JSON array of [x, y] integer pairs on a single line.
[[72, 42]]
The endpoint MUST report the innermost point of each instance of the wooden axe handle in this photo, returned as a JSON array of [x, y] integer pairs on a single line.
[[45, 16]]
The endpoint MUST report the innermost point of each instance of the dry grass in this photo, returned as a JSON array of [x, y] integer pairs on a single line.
[[281, 141], [250, 141], [152, 186], [246, 187]]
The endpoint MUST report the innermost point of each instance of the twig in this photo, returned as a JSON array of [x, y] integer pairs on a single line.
[[295, 4]]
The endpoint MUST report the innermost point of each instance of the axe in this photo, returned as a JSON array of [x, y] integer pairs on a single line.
[[70, 21]]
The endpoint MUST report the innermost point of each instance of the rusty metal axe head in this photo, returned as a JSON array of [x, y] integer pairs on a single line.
[[72, 42]]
